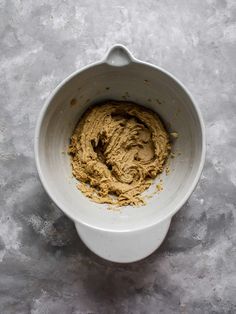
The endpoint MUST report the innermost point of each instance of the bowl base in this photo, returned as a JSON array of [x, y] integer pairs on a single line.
[[123, 246]]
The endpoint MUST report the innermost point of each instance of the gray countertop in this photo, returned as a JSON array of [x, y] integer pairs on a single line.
[[44, 267]]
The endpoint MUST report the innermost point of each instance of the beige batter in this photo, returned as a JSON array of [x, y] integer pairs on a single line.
[[117, 149]]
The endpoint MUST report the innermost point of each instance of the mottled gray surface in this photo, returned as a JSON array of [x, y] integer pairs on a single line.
[[44, 267]]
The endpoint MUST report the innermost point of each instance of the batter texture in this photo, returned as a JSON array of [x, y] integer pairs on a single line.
[[117, 149]]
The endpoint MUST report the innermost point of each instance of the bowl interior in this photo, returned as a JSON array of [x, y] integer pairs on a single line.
[[139, 83]]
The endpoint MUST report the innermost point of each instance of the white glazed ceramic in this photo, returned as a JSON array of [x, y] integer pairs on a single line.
[[131, 233]]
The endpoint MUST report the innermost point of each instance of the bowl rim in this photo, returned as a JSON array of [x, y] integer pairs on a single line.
[[41, 117]]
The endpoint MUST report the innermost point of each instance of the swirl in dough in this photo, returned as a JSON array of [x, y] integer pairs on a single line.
[[117, 149]]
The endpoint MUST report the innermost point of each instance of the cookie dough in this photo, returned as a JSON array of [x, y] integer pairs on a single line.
[[117, 149]]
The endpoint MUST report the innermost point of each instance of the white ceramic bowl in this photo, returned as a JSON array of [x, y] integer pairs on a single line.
[[131, 233]]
